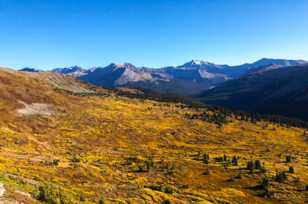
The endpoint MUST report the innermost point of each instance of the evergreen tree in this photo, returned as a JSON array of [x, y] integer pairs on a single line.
[[280, 177], [235, 161], [258, 165], [288, 159], [291, 169], [250, 166]]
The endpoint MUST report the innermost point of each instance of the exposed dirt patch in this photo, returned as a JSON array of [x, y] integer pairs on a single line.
[[35, 109], [2, 189]]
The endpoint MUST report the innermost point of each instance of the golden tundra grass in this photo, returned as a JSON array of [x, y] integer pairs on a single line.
[[120, 150]]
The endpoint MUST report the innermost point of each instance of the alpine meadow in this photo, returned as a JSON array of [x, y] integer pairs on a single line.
[[166, 126]]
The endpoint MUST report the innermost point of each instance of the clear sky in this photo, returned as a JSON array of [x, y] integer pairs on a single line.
[[154, 33]]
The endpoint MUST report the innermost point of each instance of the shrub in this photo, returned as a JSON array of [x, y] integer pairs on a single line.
[[149, 163], [206, 158], [234, 161], [291, 170], [206, 172], [225, 158], [75, 159], [219, 159], [42, 194], [55, 162], [255, 165], [264, 184], [167, 189], [82, 198], [169, 169], [250, 166], [101, 201], [166, 201], [258, 165], [50, 194], [288, 159], [162, 188], [280, 177], [46, 195]]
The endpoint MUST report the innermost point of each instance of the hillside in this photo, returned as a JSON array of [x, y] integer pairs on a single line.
[[66, 142], [266, 90]]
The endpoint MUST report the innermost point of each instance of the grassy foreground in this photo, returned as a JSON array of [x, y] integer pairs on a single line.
[[112, 149]]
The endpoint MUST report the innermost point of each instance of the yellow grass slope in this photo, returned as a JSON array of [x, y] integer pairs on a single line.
[[112, 149]]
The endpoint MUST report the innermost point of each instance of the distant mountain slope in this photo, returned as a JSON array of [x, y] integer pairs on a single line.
[[28, 69], [190, 78], [282, 62], [116, 75], [275, 91], [179, 80], [75, 71]]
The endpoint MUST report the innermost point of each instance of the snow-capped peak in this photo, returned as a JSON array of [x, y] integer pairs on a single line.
[[198, 62]]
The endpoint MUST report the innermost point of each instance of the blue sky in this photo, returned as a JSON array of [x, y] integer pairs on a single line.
[[56, 33]]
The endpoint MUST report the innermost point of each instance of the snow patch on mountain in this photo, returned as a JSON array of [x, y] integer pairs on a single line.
[[75, 71]]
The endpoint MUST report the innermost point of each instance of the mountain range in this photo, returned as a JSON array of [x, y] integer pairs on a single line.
[[191, 78], [267, 90], [267, 86]]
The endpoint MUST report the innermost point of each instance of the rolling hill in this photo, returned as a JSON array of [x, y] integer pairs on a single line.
[[63, 141]]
